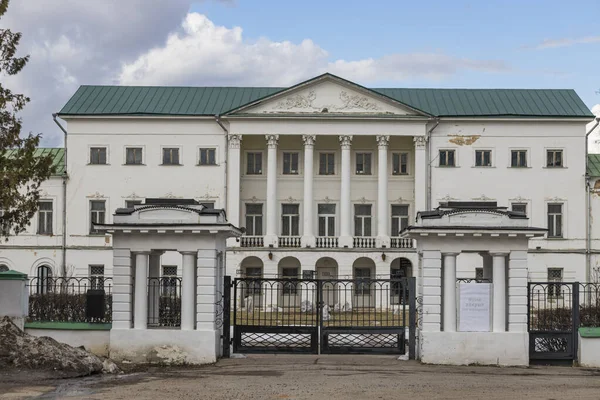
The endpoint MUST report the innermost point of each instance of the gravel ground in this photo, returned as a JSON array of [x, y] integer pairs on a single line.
[[318, 377]]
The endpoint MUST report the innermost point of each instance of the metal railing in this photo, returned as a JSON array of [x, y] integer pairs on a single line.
[[327, 242], [252, 241], [164, 302], [402, 243], [70, 300], [289, 241], [473, 280], [364, 242]]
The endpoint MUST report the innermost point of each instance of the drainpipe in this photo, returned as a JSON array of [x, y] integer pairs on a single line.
[[429, 161], [588, 207], [64, 210], [218, 121]]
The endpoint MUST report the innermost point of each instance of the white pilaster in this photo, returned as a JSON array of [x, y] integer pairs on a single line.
[[141, 290], [188, 290], [383, 234], [233, 184], [450, 292], [420, 174], [207, 295], [271, 233], [431, 291], [154, 287], [345, 239], [308, 237], [517, 291], [499, 291], [122, 295]]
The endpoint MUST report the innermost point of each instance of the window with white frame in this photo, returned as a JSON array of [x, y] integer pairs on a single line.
[[399, 218], [170, 156], [447, 158], [134, 155], [555, 275], [131, 203], [207, 156], [97, 214], [326, 213], [254, 163], [400, 163], [362, 220], [555, 220], [44, 282], [554, 158], [483, 158], [97, 276], [254, 219], [290, 220], [45, 217], [290, 163], [98, 155], [518, 158], [519, 207], [326, 163], [363, 163]]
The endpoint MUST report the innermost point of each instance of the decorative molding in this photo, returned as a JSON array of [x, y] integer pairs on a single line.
[[309, 140], [207, 196], [420, 141], [170, 195], [364, 200], [555, 198], [235, 141], [520, 199], [272, 141], [349, 101], [291, 200], [483, 197], [356, 101], [297, 101], [96, 195], [253, 199], [327, 200], [133, 195], [448, 198], [346, 141], [400, 200], [383, 140], [43, 193]]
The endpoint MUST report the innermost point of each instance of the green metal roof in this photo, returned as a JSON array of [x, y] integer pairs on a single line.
[[208, 101], [593, 165], [57, 153]]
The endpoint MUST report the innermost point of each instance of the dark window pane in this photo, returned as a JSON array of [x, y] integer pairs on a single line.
[[295, 225], [357, 226], [330, 226], [514, 158], [399, 210], [451, 158], [326, 208], [289, 209], [322, 222], [367, 227], [395, 226], [254, 209], [443, 159], [258, 224]]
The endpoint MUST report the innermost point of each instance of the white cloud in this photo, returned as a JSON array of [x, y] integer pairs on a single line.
[[566, 42]]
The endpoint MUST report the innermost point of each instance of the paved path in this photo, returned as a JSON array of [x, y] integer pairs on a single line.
[[326, 377]]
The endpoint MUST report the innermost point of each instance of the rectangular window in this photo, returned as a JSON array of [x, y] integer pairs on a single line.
[[290, 163], [254, 166], [133, 155], [483, 158], [290, 220], [170, 156], [518, 158], [97, 276], [209, 205], [326, 163], [131, 203], [363, 163], [254, 219], [207, 157], [555, 275], [555, 220], [290, 273], [399, 163], [447, 158], [478, 274], [362, 220], [362, 277], [519, 207], [326, 214], [399, 219], [554, 158], [98, 155], [97, 214], [45, 217]]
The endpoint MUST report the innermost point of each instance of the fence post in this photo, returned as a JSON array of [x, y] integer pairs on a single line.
[[575, 311], [412, 320], [14, 297], [226, 316], [319, 316]]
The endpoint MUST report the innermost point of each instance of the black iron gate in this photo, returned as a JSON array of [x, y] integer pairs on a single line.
[[323, 315]]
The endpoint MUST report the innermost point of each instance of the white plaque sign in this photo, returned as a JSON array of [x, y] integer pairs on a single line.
[[474, 307]]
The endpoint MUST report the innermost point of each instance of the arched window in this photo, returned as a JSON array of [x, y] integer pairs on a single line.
[[44, 278], [3, 268]]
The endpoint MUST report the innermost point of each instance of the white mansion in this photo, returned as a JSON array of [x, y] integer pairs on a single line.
[[322, 175]]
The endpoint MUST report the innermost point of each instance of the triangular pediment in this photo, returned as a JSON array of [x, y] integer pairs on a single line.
[[327, 94]]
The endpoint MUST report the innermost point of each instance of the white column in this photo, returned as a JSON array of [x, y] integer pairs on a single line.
[[345, 239], [141, 290], [383, 234], [450, 292], [154, 287], [233, 184], [271, 233], [188, 291], [499, 290], [421, 168], [308, 236]]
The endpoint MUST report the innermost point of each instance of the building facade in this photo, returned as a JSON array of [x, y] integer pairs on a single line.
[[324, 175]]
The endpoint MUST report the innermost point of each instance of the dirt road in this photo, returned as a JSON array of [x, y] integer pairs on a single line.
[[322, 377]]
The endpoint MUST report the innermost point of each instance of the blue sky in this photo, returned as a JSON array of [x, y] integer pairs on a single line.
[[507, 31]]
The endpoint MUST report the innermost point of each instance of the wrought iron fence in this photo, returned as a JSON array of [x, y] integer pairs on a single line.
[[70, 300], [164, 302], [473, 280]]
